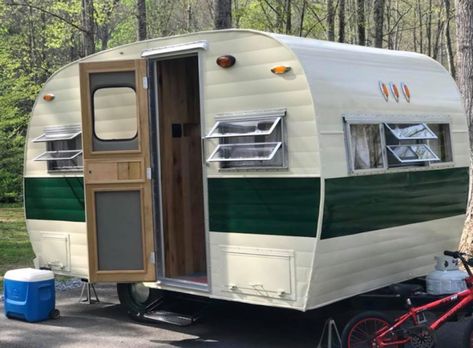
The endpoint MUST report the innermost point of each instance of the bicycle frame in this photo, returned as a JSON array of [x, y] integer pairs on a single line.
[[464, 298]]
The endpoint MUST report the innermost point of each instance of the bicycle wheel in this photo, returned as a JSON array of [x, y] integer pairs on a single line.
[[362, 328], [468, 335]]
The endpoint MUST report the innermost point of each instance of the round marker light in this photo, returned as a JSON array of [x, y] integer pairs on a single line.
[[48, 97], [280, 69], [394, 91], [226, 61], [384, 90], [406, 92]]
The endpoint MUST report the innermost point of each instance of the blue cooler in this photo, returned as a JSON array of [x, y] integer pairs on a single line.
[[29, 294]]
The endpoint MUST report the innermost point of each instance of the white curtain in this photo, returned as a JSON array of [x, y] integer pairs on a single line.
[[366, 146]]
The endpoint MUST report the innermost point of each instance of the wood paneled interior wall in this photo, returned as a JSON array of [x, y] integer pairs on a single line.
[[181, 166]]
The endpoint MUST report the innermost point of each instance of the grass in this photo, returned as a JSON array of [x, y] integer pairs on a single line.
[[15, 246]]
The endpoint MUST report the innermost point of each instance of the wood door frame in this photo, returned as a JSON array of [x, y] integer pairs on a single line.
[[103, 182], [158, 199]]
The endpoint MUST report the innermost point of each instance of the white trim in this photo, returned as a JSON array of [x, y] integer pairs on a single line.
[[188, 46], [251, 114], [377, 118]]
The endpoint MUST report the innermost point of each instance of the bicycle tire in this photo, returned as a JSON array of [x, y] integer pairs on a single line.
[[371, 321]]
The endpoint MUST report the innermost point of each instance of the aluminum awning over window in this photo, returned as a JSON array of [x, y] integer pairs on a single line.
[[56, 133]]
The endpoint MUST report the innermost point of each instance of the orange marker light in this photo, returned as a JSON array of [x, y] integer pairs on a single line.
[[406, 92], [49, 97], [226, 61], [384, 90], [280, 69], [395, 91]]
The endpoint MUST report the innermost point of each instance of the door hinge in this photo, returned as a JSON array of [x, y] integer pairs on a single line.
[[149, 173], [152, 257], [145, 82]]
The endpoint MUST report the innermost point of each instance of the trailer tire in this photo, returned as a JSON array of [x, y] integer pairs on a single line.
[[136, 297], [468, 335], [371, 319]]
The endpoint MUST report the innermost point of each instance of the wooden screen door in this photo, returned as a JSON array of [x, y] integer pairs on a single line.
[[117, 177]]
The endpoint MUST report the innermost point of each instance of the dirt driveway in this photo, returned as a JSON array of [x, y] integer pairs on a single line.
[[226, 325]]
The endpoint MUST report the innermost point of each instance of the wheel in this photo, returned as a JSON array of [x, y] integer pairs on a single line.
[[362, 328], [468, 335], [55, 314], [136, 297]]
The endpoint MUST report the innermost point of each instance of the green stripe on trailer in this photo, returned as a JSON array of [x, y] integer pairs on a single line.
[[367, 203], [55, 199], [273, 206]]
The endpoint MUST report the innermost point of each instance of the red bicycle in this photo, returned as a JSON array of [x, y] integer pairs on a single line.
[[375, 330]]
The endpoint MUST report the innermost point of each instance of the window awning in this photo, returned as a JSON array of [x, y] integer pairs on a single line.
[[56, 133], [411, 131], [58, 155], [413, 153], [244, 152]]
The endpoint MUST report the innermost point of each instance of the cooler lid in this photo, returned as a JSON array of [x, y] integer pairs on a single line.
[[29, 275]]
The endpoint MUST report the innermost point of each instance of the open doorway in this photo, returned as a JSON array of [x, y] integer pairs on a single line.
[[180, 161]]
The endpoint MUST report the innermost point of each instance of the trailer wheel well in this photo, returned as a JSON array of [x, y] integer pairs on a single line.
[[136, 297]]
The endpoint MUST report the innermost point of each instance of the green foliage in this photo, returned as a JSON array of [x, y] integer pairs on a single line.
[[15, 248]]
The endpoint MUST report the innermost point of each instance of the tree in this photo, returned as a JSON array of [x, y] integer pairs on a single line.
[[341, 21], [378, 18], [464, 16], [448, 39], [361, 22], [141, 9], [222, 14], [88, 24], [330, 21]]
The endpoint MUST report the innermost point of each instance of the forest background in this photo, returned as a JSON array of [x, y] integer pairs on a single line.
[[39, 36]]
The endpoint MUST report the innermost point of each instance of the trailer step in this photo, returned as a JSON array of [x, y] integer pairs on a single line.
[[170, 318]]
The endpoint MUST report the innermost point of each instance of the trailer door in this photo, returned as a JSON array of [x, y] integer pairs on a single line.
[[117, 174]]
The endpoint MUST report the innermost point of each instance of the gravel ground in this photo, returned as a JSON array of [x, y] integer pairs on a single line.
[[226, 324]]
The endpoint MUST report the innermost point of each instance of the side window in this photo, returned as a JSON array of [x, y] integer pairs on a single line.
[[366, 147], [115, 115], [394, 145], [63, 148], [249, 141]]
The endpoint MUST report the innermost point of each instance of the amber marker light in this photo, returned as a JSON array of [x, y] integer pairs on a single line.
[[280, 69], [406, 92], [226, 61], [49, 97], [394, 91], [384, 90]]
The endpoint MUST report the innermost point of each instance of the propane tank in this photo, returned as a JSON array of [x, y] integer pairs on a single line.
[[447, 278]]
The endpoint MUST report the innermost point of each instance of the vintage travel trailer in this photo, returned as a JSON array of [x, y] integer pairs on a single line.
[[247, 166]]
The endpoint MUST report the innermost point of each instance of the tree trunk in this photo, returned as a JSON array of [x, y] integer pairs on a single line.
[[141, 11], [88, 22], [378, 18], [222, 14], [301, 21], [288, 10], [448, 39], [330, 21], [360, 22], [341, 21], [464, 21], [429, 30]]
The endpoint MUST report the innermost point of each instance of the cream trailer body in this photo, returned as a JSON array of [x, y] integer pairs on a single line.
[[305, 173]]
